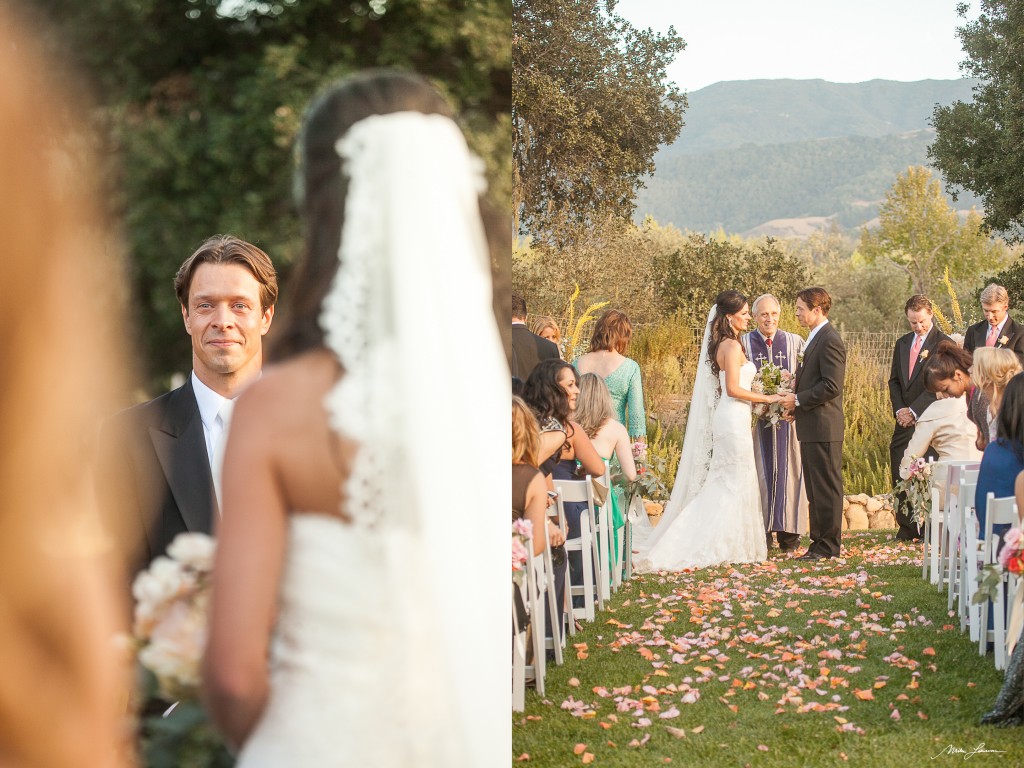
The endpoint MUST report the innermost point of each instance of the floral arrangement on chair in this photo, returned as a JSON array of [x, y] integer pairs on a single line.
[[1011, 560], [771, 380], [916, 490], [522, 536], [169, 631]]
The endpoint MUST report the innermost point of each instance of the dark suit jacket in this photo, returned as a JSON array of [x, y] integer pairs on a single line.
[[1014, 333], [528, 349], [819, 388], [154, 474], [910, 392]]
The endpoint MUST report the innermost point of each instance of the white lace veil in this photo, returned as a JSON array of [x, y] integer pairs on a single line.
[[697, 443], [425, 392]]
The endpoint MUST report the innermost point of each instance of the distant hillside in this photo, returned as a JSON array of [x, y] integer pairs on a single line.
[[758, 150]]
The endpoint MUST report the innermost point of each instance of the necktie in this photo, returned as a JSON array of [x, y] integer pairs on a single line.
[[220, 437], [768, 341], [990, 341], [913, 354]]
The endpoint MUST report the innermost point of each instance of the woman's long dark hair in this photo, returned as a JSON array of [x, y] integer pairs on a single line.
[[726, 303], [945, 360], [324, 188], [1010, 421], [545, 395]]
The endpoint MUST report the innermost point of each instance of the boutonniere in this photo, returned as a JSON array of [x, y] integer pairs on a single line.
[[1003, 339], [923, 355], [799, 358]]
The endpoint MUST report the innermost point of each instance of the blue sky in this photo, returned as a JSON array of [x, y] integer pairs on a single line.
[[845, 41]]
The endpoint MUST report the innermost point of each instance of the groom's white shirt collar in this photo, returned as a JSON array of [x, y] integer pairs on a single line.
[[209, 403], [814, 331]]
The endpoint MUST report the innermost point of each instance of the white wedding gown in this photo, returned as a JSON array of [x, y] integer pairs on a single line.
[[723, 523], [350, 684]]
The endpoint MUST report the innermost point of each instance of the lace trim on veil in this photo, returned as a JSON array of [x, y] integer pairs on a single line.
[[383, 155]]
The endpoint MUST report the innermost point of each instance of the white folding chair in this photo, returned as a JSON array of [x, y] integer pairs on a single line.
[[952, 517], [557, 641], [942, 472], [603, 539], [519, 641], [559, 615], [1002, 511], [970, 555], [585, 544], [962, 511], [536, 588], [615, 536]]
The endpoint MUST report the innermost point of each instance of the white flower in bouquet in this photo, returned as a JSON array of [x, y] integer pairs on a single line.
[[194, 550]]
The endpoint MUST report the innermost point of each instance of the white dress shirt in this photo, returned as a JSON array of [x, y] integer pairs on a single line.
[[209, 406]]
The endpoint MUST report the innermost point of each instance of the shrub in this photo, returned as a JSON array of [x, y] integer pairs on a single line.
[[869, 423]]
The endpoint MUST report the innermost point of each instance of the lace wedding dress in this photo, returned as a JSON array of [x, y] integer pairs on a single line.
[[722, 523]]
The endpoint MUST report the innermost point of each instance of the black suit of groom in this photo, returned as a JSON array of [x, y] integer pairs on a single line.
[[907, 390], [528, 349], [820, 428], [154, 474], [1013, 333]]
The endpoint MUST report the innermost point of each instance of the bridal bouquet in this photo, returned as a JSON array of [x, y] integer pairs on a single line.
[[1011, 560], [914, 492], [771, 380], [172, 597], [171, 600]]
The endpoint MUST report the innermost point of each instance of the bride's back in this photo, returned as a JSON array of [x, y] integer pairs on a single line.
[[310, 461]]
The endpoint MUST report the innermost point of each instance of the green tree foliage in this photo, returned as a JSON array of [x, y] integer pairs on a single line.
[[200, 102], [921, 234], [980, 145], [690, 277], [590, 106]]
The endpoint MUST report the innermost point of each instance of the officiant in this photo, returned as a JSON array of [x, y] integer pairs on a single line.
[[776, 450]]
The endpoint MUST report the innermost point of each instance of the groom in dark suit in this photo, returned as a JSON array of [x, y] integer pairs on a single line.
[[907, 392], [817, 406], [157, 461]]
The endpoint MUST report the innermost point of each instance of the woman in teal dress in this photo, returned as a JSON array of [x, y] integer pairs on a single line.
[[607, 358], [595, 416]]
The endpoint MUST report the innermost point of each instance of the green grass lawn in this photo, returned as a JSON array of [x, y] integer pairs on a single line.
[[851, 662]]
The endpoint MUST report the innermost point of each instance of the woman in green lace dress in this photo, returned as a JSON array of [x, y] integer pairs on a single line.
[[607, 358]]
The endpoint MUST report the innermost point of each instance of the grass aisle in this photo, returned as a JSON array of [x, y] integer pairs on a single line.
[[852, 662]]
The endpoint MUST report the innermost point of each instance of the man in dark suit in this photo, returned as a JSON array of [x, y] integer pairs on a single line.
[[907, 392], [817, 406], [528, 349], [158, 465], [997, 329]]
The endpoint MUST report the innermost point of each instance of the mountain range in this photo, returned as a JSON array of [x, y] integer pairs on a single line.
[[786, 157]]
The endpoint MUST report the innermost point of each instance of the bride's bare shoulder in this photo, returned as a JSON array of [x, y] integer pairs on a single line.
[[307, 377]]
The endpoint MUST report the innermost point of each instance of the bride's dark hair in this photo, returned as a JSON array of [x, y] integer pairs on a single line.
[[726, 303]]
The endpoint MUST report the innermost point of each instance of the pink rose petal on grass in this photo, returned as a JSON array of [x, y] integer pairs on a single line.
[[668, 714]]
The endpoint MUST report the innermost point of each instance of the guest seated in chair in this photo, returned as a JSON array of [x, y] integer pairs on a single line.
[[992, 368], [1004, 457]]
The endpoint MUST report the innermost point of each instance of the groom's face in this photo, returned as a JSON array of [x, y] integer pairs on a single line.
[[226, 322], [806, 316]]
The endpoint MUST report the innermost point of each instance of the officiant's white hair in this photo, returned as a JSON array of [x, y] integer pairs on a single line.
[[757, 302]]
